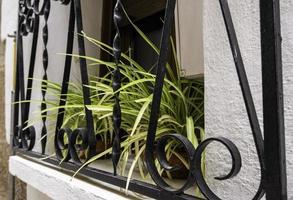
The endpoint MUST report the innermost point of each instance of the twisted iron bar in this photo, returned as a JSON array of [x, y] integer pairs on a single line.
[[117, 17], [46, 12]]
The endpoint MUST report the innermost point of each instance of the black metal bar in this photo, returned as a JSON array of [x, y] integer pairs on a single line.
[[117, 18], [157, 94], [60, 133], [20, 76], [273, 108], [246, 92], [85, 80], [45, 34], [31, 66], [67, 70], [19, 82]]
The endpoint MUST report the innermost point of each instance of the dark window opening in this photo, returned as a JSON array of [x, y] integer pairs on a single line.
[[148, 15]]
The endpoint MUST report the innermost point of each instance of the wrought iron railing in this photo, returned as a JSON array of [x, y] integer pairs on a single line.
[[271, 152]]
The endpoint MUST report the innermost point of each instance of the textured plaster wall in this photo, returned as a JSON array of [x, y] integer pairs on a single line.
[[225, 110]]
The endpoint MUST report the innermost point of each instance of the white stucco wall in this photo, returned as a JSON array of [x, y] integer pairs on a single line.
[[225, 110]]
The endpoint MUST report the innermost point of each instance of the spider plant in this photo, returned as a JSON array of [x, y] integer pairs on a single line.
[[181, 108], [181, 111]]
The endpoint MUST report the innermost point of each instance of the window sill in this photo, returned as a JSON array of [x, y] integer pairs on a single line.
[[59, 185]]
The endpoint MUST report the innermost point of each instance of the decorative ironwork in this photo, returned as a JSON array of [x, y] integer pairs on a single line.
[[86, 135], [117, 16], [28, 23], [90, 140], [68, 151], [60, 134], [194, 156], [46, 12]]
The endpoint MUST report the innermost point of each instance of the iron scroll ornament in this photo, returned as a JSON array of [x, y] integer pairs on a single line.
[[88, 141], [70, 150], [28, 22], [29, 14], [194, 155]]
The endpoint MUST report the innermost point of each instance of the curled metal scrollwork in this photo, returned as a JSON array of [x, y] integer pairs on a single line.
[[28, 138], [194, 158], [190, 152], [72, 145], [27, 19], [195, 155], [62, 144], [24, 139], [199, 177], [78, 145], [17, 137]]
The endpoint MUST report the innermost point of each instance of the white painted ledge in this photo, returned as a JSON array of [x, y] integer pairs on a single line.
[[58, 185]]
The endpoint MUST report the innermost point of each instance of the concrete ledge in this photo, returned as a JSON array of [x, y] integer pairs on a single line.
[[58, 185]]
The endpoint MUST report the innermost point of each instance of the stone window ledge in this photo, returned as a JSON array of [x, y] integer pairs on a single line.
[[61, 186]]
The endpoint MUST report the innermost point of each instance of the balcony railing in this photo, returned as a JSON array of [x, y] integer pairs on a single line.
[[270, 149]]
